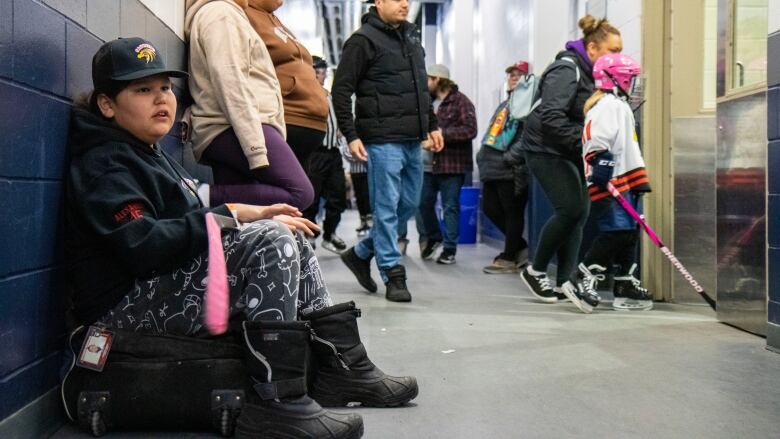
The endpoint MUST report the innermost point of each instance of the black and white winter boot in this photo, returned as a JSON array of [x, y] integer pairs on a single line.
[[344, 373], [629, 293], [396, 289], [277, 356]]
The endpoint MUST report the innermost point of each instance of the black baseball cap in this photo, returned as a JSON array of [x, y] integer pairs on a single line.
[[127, 59]]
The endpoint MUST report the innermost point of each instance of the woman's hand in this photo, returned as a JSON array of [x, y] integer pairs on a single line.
[[247, 213], [297, 223]]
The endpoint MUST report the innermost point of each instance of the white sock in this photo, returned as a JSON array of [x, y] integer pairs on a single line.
[[533, 272]]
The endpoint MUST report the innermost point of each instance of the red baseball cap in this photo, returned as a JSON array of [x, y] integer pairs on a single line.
[[522, 66]]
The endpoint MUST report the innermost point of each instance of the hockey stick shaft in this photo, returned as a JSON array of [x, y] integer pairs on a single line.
[[657, 241]]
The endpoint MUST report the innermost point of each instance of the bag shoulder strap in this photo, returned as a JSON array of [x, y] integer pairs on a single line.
[[568, 59]]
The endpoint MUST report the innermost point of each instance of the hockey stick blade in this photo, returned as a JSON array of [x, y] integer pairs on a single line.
[[657, 241]]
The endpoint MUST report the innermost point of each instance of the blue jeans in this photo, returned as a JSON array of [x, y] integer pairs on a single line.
[[449, 186], [394, 182], [403, 228]]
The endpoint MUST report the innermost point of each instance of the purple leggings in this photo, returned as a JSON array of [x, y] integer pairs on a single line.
[[284, 181]]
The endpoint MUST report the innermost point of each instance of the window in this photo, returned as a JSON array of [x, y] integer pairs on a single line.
[[748, 50]]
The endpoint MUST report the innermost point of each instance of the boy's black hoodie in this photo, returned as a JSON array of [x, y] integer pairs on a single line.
[[132, 213]]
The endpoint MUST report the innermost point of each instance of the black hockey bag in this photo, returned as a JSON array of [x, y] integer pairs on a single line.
[[157, 382]]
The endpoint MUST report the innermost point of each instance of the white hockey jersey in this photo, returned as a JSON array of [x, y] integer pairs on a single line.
[[610, 126]]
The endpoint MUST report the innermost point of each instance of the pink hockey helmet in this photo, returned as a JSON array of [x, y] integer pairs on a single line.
[[616, 70]]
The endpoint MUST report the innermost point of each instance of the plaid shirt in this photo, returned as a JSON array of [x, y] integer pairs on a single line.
[[458, 123]]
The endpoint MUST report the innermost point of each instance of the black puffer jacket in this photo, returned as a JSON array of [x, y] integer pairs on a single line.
[[384, 67], [555, 126]]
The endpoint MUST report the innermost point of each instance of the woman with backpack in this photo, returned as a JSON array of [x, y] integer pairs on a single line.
[[505, 190], [552, 145]]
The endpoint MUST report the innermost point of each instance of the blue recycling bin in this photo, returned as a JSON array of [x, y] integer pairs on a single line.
[[469, 213]]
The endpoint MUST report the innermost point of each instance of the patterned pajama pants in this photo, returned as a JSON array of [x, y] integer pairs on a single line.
[[272, 275]]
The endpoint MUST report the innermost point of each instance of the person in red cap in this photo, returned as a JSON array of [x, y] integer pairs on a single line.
[[514, 73], [505, 192]]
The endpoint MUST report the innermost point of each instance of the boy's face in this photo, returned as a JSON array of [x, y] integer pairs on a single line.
[[146, 108]]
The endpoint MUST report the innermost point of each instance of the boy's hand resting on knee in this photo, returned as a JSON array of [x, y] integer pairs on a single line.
[[247, 213], [298, 223]]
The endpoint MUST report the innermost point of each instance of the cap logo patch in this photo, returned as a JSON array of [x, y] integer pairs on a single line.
[[146, 51]]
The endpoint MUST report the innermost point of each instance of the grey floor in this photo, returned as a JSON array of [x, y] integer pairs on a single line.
[[492, 362]]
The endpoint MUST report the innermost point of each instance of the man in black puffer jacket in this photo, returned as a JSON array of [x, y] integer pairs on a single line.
[[383, 65]]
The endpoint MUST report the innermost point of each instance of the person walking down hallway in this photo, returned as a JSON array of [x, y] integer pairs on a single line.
[[505, 191], [458, 123], [326, 171], [305, 101], [236, 122], [383, 65], [552, 145]]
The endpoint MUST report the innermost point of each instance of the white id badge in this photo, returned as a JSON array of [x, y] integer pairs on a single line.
[[94, 351]]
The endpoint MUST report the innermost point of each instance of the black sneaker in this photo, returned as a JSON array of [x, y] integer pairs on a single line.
[[447, 257], [361, 268], [539, 285], [429, 250], [397, 291], [334, 244]]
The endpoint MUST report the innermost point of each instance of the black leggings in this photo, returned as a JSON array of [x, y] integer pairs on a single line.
[[563, 181], [507, 211]]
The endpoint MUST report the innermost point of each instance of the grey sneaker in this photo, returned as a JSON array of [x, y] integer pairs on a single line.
[[501, 266]]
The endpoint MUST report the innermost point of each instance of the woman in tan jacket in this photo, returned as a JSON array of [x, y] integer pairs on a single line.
[[236, 122], [305, 101]]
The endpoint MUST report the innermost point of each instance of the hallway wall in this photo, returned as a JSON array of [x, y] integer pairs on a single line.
[[47, 48], [773, 176]]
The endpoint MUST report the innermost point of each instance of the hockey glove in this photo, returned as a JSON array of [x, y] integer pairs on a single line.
[[602, 165]]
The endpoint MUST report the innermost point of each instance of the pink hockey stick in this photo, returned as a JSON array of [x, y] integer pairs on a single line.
[[216, 302], [657, 241]]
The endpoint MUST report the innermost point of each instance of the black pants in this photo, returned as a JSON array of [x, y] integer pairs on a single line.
[[303, 142], [563, 181], [326, 173], [506, 210], [360, 185], [612, 247]]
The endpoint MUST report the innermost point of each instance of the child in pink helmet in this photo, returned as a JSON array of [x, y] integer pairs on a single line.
[[612, 154]]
